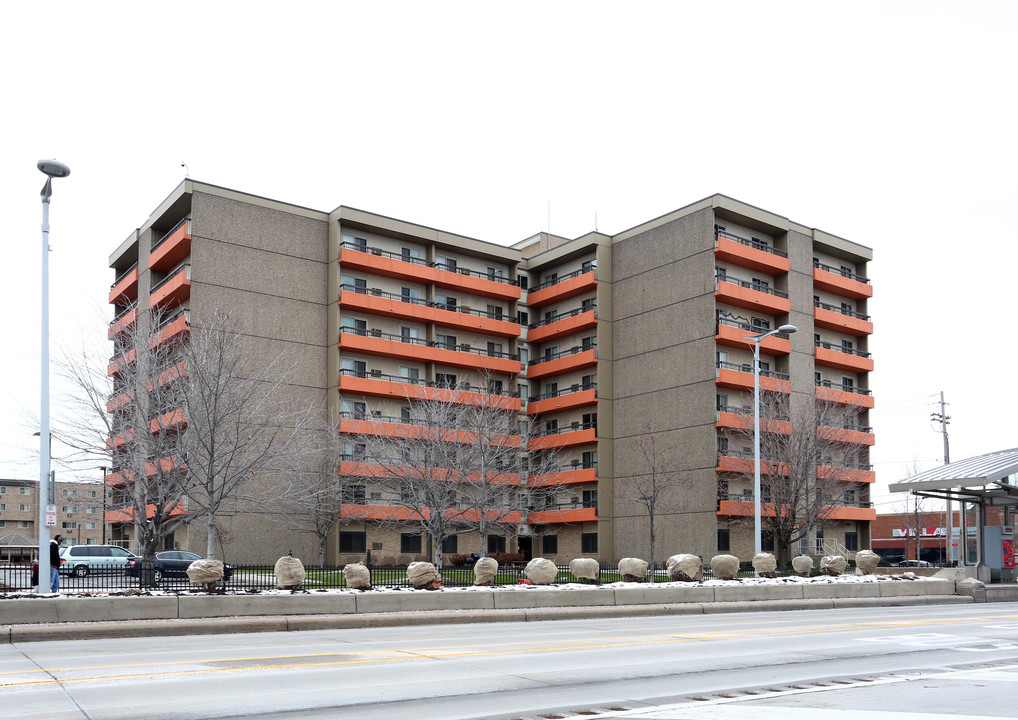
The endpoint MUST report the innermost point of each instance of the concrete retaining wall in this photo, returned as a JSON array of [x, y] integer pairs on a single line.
[[27, 611]]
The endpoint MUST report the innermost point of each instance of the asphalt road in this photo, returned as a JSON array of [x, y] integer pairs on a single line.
[[915, 662]]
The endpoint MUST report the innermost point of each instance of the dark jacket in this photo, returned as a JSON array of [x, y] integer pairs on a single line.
[[54, 554]]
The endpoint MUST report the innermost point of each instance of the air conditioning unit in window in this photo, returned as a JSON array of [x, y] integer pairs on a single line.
[[376, 291], [376, 332], [376, 373], [376, 413]]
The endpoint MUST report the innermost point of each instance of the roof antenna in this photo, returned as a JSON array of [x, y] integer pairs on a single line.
[[595, 221], [187, 171]]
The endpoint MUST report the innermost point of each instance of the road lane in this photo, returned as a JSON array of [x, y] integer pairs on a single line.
[[476, 671]]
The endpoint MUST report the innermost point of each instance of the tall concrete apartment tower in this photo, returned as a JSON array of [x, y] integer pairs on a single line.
[[603, 340]]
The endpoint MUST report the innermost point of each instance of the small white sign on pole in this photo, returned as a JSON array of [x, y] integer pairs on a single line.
[[51, 516]]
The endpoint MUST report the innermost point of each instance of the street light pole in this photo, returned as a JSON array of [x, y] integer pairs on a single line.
[[51, 169], [756, 340]]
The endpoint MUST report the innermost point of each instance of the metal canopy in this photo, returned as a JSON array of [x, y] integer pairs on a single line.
[[990, 469]]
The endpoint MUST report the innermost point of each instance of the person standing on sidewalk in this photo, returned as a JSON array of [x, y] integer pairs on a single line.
[[54, 564]]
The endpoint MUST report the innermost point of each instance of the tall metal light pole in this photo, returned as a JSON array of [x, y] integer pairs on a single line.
[[756, 340], [51, 169]]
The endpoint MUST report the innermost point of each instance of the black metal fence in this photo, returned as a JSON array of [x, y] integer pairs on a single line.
[[18, 579]]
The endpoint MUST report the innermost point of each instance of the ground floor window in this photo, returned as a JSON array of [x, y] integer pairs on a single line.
[[852, 541], [588, 543], [496, 544], [549, 545], [767, 541], [450, 544], [410, 543], [724, 540], [353, 542]]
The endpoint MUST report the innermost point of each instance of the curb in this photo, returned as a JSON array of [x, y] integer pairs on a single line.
[[13, 634]]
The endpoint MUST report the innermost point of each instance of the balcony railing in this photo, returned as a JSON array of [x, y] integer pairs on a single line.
[[562, 353], [186, 314], [123, 275], [560, 316], [571, 505], [376, 292], [564, 391], [840, 271], [562, 278], [838, 309], [748, 368], [166, 237], [186, 268], [429, 343], [757, 245], [843, 388], [465, 387], [841, 348], [850, 426], [749, 411], [124, 312], [749, 497], [759, 287], [494, 277], [574, 427], [580, 465]]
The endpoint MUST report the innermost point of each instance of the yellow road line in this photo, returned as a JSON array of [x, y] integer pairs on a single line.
[[469, 650]]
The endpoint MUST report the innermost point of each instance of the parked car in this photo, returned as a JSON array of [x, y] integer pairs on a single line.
[[914, 563], [80, 560], [170, 564]]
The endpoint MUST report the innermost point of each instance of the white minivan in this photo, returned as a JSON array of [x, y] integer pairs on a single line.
[[80, 560]]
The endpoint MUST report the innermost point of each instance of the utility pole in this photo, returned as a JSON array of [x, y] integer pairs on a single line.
[[944, 420]]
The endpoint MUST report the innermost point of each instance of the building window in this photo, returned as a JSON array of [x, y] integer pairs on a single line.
[[549, 545], [68, 509], [24, 507], [22, 523], [69, 525], [446, 341], [522, 317], [90, 510], [852, 541], [724, 540], [3, 506], [353, 542], [496, 544], [90, 526], [353, 494], [354, 368], [450, 545], [523, 281], [410, 543], [409, 373], [445, 380], [356, 410], [3, 489], [767, 541], [588, 542], [25, 491]]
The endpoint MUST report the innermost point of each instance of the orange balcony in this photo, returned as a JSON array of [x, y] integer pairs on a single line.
[[174, 421], [165, 465], [385, 304], [423, 351], [177, 328], [842, 320], [733, 333], [172, 249], [354, 423], [846, 359], [742, 419], [561, 363], [567, 476], [849, 475], [562, 288], [740, 377], [381, 262], [125, 289], [735, 462], [354, 383], [844, 395], [746, 508], [172, 290], [564, 400], [752, 296], [745, 253], [567, 324], [856, 435], [842, 284], [568, 515], [853, 513], [118, 363], [126, 515], [123, 322], [582, 434]]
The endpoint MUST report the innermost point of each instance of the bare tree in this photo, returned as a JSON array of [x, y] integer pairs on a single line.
[[655, 490], [238, 417], [125, 414], [803, 442], [457, 462], [317, 493]]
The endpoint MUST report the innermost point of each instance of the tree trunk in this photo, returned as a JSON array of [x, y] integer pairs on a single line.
[[210, 545]]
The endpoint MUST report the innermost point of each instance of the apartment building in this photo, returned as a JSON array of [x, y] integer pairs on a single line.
[[601, 342], [80, 508]]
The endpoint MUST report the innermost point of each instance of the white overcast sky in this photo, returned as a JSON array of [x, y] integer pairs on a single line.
[[891, 124]]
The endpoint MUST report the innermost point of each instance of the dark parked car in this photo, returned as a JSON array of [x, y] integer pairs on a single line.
[[170, 564]]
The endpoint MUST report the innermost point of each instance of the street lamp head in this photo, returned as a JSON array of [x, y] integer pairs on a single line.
[[787, 329], [53, 168]]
